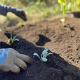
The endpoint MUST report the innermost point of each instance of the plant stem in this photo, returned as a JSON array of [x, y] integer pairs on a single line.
[[11, 34], [64, 19], [63, 16]]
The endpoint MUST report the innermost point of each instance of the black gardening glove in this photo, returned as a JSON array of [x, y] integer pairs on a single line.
[[19, 13]]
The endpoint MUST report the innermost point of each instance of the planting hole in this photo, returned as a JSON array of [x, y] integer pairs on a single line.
[[72, 29]]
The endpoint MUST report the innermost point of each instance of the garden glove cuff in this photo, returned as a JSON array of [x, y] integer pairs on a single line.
[[18, 12], [11, 60]]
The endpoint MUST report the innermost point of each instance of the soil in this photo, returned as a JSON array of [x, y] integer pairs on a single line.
[[63, 42]]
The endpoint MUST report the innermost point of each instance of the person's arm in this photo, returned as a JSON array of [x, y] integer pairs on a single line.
[[3, 10], [10, 59], [18, 12]]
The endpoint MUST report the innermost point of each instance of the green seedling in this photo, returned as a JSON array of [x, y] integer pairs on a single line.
[[13, 38], [43, 55], [64, 8]]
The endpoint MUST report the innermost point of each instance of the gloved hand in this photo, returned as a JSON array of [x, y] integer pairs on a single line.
[[19, 13], [11, 60]]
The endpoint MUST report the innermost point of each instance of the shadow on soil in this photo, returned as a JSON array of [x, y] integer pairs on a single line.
[[56, 68], [42, 40]]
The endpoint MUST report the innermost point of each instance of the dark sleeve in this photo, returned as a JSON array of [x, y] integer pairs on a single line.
[[3, 10]]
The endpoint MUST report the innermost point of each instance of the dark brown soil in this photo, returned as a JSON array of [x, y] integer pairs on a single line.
[[63, 42]]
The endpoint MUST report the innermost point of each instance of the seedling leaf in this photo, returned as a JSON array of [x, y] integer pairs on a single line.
[[62, 2], [49, 54], [16, 39], [47, 49], [44, 53], [36, 54], [43, 59]]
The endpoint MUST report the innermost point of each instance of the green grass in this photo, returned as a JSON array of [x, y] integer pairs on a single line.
[[35, 11]]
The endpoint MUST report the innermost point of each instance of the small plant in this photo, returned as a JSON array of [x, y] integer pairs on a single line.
[[64, 8], [43, 55], [13, 38]]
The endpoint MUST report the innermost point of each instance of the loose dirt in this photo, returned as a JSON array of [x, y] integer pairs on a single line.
[[63, 42]]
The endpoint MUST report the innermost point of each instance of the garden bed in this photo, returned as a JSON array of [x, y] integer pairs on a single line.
[[63, 42]]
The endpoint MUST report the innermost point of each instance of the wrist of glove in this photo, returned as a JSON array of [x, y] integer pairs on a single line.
[[11, 60], [18, 12]]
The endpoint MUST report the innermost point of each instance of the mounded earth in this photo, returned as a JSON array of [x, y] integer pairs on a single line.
[[63, 42]]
